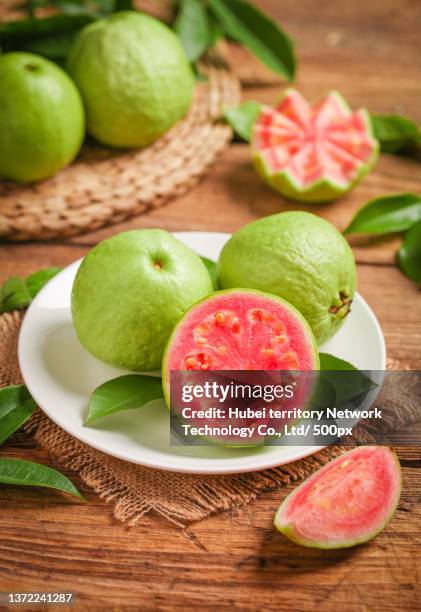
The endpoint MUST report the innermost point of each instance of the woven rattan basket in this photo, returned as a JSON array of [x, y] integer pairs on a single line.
[[105, 186]]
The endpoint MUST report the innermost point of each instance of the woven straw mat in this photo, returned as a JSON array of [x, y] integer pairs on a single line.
[[135, 490], [104, 186]]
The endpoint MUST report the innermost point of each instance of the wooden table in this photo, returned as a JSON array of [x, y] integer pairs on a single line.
[[370, 51]]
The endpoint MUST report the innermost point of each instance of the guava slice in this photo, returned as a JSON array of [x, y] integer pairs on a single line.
[[239, 330], [313, 152], [347, 502]]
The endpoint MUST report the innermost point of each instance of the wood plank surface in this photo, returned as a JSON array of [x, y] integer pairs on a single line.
[[370, 51]]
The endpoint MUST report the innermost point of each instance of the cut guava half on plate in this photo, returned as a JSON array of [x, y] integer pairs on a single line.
[[242, 331], [313, 152], [347, 502]]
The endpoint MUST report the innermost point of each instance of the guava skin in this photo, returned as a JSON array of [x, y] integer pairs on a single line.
[[135, 80], [351, 508], [42, 120], [298, 257], [129, 293]]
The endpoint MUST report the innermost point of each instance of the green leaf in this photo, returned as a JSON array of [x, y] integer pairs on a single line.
[[242, 118], [35, 282], [123, 5], [193, 28], [216, 32], [386, 215], [212, 268], [73, 7], [331, 363], [54, 47], [14, 420], [123, 393], [409, 255], [51, 36], [14, 294], [395, 133], [341, 377], [94, 8], [24, 29], [22, 472], [245, 24], [17, 293], [16, 406], [14, 396]]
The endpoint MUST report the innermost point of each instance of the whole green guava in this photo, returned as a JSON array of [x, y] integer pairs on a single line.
[[130, 291], [134, 77], [299, 257], [42, 121]]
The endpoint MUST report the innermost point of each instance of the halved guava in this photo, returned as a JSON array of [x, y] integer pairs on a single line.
[[241, 330], [313, 152], [347, 502]]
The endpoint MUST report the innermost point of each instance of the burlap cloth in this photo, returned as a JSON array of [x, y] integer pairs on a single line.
[[135, 490]]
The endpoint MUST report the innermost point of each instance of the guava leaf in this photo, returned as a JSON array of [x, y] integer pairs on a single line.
[[409, 255], [22, 472], [332, 363], [17, 293], [77, 7], [14, 295], [216, 32], [386, 215], [340, 380], [123, 393], [123, 5], [16, 406], [36, 281], [50, 36], [212, 268], [54, 47], [244, 23], [396, 133], [30, 28], [93, 8], [242, 118], [193, 28]]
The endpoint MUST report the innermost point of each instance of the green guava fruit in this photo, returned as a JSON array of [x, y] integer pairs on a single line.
[[129, 293], [42, 122], [237, 330], [134, 77], [313, 152], [299, 257], [347, 502]]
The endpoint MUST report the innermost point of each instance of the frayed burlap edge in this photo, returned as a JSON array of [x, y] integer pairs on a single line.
[[135, 490], [181, 498]]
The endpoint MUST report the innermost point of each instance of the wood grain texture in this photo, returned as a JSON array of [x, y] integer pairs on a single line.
[[370, 51]]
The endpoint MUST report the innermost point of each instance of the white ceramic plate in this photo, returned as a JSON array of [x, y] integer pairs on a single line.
[[61, 375]]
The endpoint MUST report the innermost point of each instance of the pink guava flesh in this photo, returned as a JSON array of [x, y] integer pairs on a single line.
[[310, 143], [345, 503], [242, 330]]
